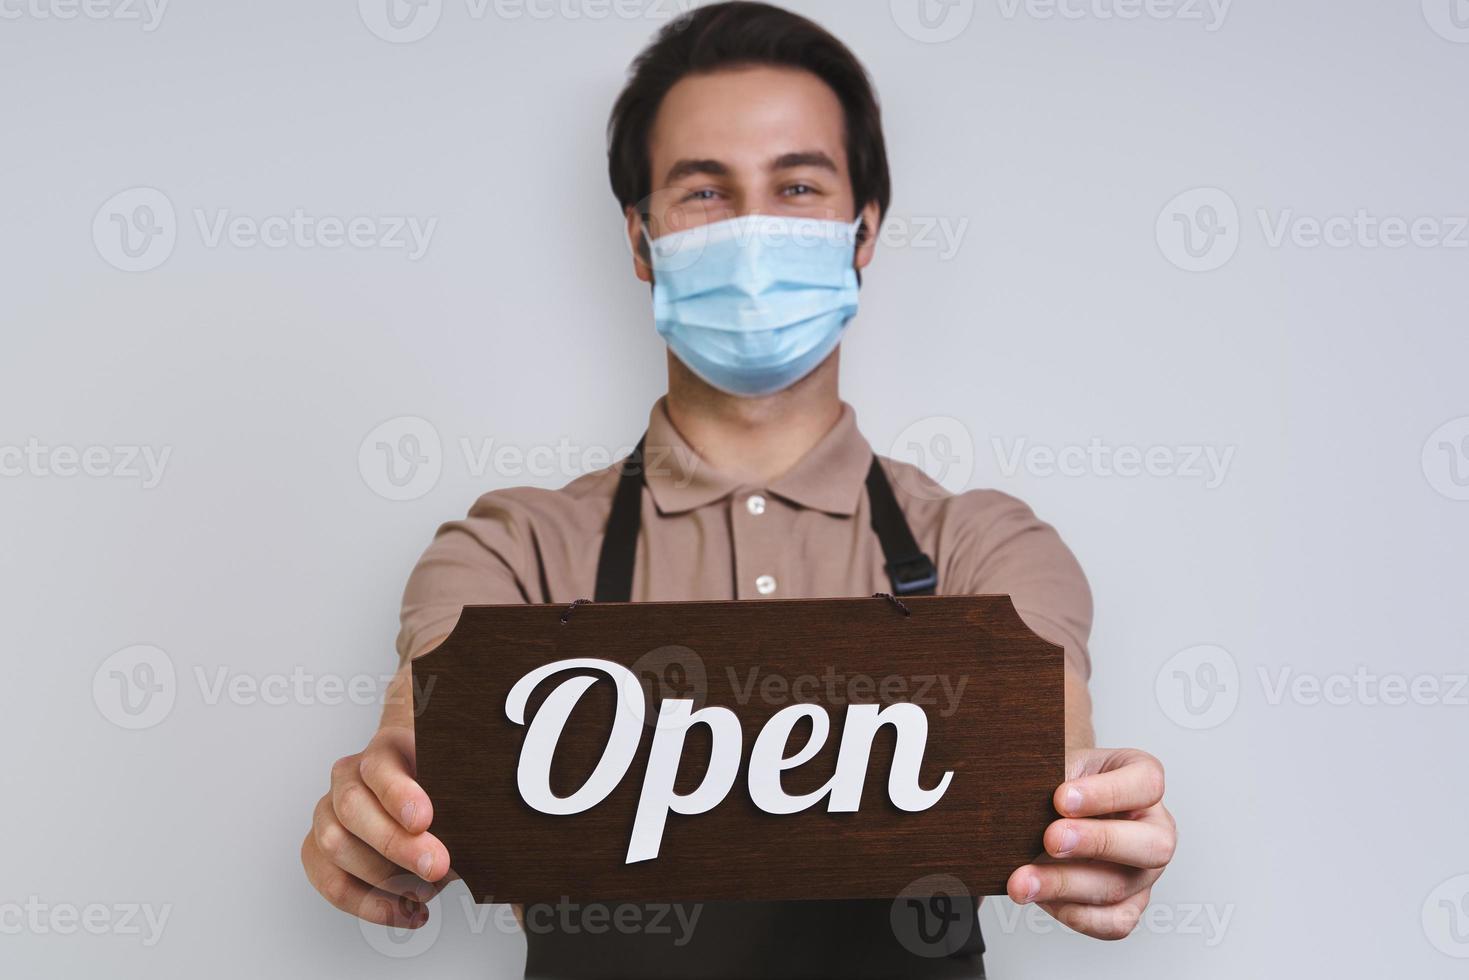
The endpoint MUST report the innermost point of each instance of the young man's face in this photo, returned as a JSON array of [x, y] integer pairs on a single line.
[[759, 140]]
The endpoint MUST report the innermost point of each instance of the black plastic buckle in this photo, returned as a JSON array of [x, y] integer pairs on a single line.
[[913, 575]]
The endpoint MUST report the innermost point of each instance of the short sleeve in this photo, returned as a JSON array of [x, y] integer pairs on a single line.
[[469, 562], [998, 545]]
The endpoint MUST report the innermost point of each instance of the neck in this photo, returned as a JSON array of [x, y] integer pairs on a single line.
[[754, 439]]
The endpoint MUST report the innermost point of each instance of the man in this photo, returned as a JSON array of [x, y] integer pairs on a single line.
[[747, 148]]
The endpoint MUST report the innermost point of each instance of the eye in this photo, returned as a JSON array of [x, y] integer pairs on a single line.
[[706, 194], [799, 190]]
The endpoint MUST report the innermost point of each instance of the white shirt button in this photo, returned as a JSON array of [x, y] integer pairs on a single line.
[[755, 504], [765, 584]]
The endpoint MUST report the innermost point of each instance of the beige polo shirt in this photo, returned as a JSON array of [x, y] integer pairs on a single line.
[[706, 535]]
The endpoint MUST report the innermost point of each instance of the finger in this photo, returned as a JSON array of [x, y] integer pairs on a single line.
[[387, 769], [1147, 843], [1100, 921], [1133, 780], [358, 810], [353, 856], [1080, 882], [356, 897]]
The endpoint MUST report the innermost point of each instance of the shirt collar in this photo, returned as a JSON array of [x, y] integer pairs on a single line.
[[829, 478]]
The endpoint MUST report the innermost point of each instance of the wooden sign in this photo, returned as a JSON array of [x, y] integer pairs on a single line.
[[752, 750]]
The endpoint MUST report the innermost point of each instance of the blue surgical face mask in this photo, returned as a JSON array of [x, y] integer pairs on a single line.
[[752, 305]]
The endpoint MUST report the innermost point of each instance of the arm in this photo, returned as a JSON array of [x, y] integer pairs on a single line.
[[369, 851], [1115, 836]]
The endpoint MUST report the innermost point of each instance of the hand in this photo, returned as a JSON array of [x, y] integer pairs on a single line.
[[368, 851], [1113, 841]]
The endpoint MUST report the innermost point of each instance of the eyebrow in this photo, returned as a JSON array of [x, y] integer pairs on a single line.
[[806, 158], [688, 168], [787, 161]]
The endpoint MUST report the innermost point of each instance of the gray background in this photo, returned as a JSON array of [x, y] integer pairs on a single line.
[[1329, 837]]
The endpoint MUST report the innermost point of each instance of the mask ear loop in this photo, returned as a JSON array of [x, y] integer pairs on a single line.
[[646, 252], [857, 243]]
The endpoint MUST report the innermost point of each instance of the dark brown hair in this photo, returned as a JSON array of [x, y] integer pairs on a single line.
[[726, 35]]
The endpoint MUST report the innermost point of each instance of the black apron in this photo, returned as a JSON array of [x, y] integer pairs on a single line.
[[860, 938]]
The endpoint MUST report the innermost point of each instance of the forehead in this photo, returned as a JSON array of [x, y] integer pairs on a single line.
[[747, 117]]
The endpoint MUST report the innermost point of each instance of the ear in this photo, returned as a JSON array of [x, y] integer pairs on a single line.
[[871, 217], [638, 245]]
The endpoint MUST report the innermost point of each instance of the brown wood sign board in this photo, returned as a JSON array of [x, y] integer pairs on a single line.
[[803, 749]]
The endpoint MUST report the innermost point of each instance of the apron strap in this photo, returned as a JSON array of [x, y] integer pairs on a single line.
[[910, 570], [620, 545]]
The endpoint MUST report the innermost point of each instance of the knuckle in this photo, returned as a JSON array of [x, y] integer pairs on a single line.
[[1164, 849], [371, 765], [343, 768], [373, 909], [1101, 843], [1116, 924], [331, 838], [390, 841], [1072, 918], [407, 886], [1116, 890], [335, 888], [1141, 757], [321, 815], [1155, 782], [350, 802]]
